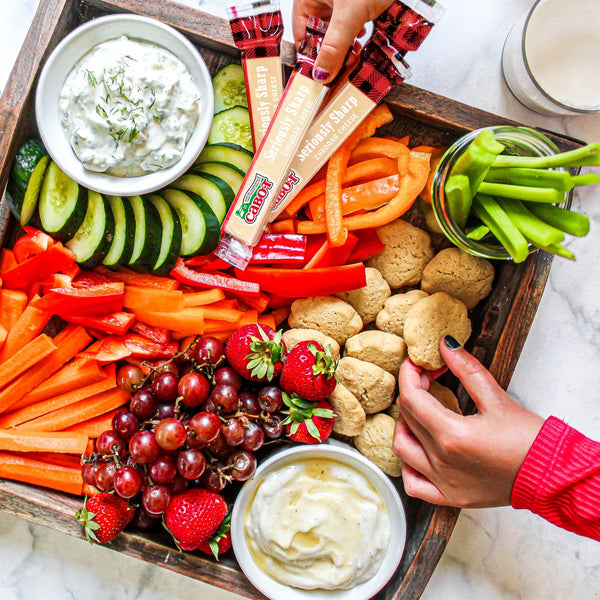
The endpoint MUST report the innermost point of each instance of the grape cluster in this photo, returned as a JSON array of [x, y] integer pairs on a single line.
[[192, 421]]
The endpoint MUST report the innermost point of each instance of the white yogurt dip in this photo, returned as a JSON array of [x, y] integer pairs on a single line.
[[129, 107], [318, 524]]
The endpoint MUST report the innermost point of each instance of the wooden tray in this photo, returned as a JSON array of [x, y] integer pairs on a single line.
[[499, 327]]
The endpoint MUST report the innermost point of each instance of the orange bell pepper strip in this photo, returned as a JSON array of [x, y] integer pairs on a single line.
[[338, 163], [411, 185], [376, 147], [364, 195], [362, 171]]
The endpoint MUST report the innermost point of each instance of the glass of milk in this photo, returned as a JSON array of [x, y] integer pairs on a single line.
[[551, 57]]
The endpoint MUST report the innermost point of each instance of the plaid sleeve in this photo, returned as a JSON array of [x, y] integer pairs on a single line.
[[560, 479]]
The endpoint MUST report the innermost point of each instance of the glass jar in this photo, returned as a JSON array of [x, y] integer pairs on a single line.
[[517, 140]]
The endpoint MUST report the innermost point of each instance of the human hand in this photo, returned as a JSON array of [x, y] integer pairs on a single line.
[[454, 460], [346, 22]]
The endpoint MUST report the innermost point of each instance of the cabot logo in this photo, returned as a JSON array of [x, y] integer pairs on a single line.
[[254, 198], [288, 185]]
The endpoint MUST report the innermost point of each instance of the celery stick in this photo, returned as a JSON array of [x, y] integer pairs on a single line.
[[475, 161], [534, 229], [584, 156], [559, 180], [478, 232], [522, 192], [459, 198], [492, 215], [561, 218], [559, 250]]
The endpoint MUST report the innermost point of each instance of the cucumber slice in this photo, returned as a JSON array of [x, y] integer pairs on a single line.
[[232, 126], [25, 179], [200, 226], [229, 154], [148, 235], [214, 191], [122, 244], [229, 86], [171, 236], [230, 175], [62, 204], [93, 239]]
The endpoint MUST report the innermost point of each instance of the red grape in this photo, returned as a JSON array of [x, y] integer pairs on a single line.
[[228, 376], [163, 469], [206, 426], [130, 377], [226, 396], [164, 386], [109, 442], [165, 410], [210, 350], [88, 473], [155, 499], [249, 403], [233, 432], [143, 447], [127, 481], [191, 463], [273, 426], [213, 480], [104, 476], [125, 423], [143, 404], [270, 399], [179, 484], [170, 434], [254, 437], [193, 388], [143, 521], [244, 465], [168, 366]]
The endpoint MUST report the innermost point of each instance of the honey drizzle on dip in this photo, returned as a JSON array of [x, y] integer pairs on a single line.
[[317, 524], [129, 107]]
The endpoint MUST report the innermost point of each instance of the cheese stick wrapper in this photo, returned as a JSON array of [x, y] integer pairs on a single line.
[[302, 98], [398, 30], [257, 30]]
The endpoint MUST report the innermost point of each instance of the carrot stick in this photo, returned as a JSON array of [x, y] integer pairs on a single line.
[[28, 326], [33, 411], [189, 320], [80, 411], [7, 260], [283, 226], [153, 299], [71, 461], [222, 335], [42, 441], [68, 343], [3, 335], [268, 320], [12, 305], [94, 427], [378, 167], [27, 470], [75, 374], [25, 358], [221, 313], [203, 297]]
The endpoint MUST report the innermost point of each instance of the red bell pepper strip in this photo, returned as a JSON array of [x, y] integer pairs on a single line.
[[368, 246], [213, 280], [258, 303], [98, 300], [110, 349], [142, 347], [39, 267], [139, 279], [33, 242], [299, 283], [280, 248], [117, 323], [207, 262], [156, 334], [330, 256], [87, 279]]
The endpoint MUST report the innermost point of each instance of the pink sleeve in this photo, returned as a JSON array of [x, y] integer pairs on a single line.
[[560, 479]]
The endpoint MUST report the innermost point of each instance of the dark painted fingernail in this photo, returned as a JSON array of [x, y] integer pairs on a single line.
[[451, 342], [320, 75]]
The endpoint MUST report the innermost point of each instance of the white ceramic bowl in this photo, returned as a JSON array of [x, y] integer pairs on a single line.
[[66, 55], [352, 458]]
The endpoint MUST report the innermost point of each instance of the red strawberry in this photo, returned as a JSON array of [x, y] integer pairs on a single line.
[[220, 542], [256, 352], [104, 516], [309, 371], [308, 422], [194, 516]]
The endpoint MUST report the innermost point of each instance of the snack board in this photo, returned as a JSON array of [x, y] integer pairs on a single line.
[[500, 324]]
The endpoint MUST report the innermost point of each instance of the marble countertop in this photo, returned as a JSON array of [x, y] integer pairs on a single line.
[[496, 554]]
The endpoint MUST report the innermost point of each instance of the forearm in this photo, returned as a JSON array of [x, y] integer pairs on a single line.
[[560, 479]]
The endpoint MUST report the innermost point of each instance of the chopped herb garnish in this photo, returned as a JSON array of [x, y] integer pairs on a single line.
[[91, 78]]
